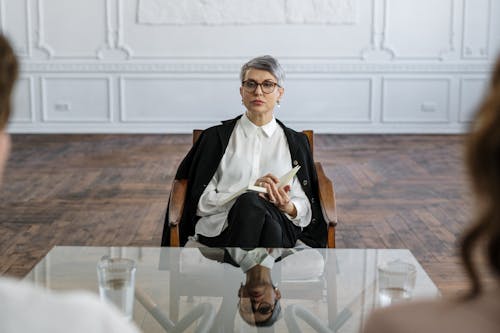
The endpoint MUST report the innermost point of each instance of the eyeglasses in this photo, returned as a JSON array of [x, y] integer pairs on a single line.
[[266, 86], [246, 305]]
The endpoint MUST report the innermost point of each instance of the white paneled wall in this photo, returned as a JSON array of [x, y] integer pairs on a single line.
[[167, 66]]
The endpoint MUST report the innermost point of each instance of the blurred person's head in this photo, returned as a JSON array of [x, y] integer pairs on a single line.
[[483, 164], [8, 75]]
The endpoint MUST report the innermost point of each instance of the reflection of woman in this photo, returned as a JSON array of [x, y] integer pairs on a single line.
[[479, 312], [255, 149], [258, 298]]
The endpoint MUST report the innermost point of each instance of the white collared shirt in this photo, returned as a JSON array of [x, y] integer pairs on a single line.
[[252, 152], [249, 259]]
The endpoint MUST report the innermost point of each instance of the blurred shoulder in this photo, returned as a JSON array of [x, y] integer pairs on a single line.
[[443, 315], [28, 308]]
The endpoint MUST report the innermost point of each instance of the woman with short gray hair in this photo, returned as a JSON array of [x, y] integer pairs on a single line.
[[253, 149]]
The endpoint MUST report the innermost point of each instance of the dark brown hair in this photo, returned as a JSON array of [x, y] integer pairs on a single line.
[[8, 75], [483, 164]]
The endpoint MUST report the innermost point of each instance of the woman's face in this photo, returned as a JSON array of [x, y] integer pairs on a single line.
[[254, 296], [258, 103]]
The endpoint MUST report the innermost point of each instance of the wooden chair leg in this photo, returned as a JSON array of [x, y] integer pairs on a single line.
[[174, 236], [331, 236]]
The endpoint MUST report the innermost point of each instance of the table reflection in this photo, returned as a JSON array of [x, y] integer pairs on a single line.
[[244, 290], [298, 274]]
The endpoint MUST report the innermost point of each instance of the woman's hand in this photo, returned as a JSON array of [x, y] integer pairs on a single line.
[[268, 179], [277, 196]]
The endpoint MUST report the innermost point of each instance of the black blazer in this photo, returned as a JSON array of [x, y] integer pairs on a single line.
[[201, 162]]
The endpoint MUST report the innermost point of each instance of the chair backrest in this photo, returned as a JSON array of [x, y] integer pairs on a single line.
[[308, 133], [196, 135], [310, 138]]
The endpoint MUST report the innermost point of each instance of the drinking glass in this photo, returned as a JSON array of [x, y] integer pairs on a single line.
[[396, 281], [116, 283]]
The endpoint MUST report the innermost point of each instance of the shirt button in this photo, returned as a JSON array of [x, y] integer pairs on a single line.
[[304, 182], [313, 200], [295, 162], [313, 221]]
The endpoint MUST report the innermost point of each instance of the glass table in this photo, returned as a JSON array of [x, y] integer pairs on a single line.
[[333, 289]]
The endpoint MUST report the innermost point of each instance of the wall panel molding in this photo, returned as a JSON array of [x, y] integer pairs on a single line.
[[63, 110], [24, 100], [20, 13], [97, 64], [41, 45], [53, 53], [233, 67], [416, 100], [177, 106], [377, 49], [243, 12], [441, 52], [129, 28], [472, 89], [120, 44], [187, 127], [329, 99], [476, 29], [114, 47]]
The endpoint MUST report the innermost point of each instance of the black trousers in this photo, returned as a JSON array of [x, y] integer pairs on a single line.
[[255, 222]]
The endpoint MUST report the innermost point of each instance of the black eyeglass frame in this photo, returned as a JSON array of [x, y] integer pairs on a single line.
[[248, 89], [258, 308]]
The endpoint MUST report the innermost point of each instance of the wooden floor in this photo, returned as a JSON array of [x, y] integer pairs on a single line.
[[392, 191]]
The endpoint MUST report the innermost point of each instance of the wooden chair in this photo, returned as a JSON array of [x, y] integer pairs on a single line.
[[326, 197]]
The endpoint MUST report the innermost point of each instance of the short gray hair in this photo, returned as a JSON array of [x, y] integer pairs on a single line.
[[266, 63]]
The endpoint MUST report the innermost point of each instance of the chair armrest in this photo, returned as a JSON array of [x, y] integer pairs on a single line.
[[326, 196], [175, 209], [176, 203]]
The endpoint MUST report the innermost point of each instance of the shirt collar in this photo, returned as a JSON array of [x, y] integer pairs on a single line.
[[251, 129], [249, 259]]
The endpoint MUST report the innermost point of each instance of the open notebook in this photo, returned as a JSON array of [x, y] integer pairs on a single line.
[[284, 180]]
